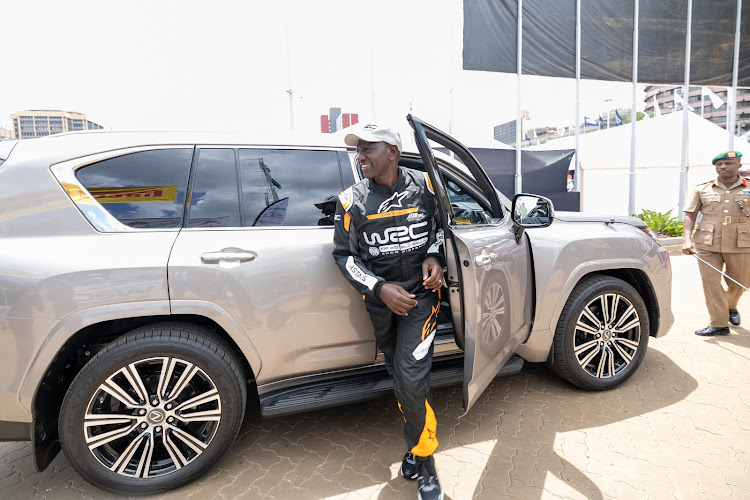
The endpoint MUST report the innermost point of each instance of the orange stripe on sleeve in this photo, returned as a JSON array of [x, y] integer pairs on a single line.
[[347, 220]]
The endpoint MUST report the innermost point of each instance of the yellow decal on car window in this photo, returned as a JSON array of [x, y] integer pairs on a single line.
[[134, 194], [76, 194]]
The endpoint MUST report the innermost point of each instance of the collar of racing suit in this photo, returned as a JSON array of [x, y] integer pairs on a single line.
[[374, 186]]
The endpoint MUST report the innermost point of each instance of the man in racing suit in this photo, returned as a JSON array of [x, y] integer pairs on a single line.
[[387, 244]]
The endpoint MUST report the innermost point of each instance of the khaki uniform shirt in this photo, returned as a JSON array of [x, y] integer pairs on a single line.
[[724, 227]]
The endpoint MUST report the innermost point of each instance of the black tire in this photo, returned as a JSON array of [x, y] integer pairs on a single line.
[[201, 391], [606, 356]]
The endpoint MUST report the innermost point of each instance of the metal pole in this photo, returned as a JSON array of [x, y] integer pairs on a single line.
[[732, 100], [608, 111], [372, 88], [633, 112], [685, 111], [519, 36], [289, 74], [577, 167], [450, 80]]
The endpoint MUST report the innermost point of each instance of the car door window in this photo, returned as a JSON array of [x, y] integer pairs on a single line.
[[289, 187], [214, 198], [465, 206], [144, 189]]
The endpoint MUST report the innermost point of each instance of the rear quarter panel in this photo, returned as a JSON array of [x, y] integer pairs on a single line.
[[53, 265]]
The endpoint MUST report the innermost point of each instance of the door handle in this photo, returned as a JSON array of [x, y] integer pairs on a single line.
[[485, 259], [228, 255]]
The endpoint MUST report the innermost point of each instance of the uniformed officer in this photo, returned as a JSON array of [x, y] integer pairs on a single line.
[[722, 238]]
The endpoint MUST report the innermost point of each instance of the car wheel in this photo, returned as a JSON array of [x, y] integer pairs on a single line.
[[602, 334], [153, 410]]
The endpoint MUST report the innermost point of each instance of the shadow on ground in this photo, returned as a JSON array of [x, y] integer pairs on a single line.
[[505, 446], [514, 426]]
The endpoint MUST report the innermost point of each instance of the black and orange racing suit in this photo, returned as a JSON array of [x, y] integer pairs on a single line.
[[383, 234]]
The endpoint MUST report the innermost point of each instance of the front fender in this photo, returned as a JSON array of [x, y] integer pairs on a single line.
[[563, 254]]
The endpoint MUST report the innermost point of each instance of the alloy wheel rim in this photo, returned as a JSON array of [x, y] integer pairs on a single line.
[[493, 313], [152, 417], [607, 335]]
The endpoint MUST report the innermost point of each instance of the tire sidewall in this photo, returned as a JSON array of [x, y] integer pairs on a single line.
[[581, 376], [107, 362]]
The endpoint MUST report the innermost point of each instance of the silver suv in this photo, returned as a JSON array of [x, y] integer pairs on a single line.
[[151, 282]]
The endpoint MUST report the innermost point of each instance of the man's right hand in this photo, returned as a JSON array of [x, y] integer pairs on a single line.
[[397, 299], [688, 248]]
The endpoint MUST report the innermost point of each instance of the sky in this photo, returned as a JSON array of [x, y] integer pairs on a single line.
[[227, 65]]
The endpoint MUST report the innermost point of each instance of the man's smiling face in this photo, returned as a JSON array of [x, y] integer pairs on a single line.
[[375, 158]]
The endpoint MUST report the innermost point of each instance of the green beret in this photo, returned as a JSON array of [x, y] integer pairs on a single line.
[[726, 155]]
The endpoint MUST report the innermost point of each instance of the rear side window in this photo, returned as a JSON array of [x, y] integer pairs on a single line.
[[289, 187], [214, 199], [141, 190]]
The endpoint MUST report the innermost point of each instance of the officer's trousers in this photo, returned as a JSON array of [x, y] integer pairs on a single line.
[[719, 300], [407, 344]]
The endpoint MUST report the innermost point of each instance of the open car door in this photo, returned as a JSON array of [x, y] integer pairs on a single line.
[[488, 269]]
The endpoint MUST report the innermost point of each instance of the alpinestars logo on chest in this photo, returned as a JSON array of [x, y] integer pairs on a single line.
[[392, 202]]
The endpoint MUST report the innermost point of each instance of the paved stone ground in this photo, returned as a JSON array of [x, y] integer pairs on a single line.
[[679, 428]]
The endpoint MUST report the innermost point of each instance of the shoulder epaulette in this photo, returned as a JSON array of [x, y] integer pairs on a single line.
[[346, 198]]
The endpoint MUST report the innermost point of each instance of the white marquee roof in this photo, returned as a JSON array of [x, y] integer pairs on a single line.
[[658, 143]]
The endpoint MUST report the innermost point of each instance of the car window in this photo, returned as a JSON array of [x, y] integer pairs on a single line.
[[289, 187], [214, 197], [466, 207], [347, 174], [144, 189]]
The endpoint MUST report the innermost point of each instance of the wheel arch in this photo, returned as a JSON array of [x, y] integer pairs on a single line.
[[634, 277], [74, 351], [638, 279], [539, 346]]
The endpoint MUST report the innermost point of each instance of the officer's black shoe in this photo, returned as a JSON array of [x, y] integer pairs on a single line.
[[429, 487], [734, 317], [409, 466], [713, 330]]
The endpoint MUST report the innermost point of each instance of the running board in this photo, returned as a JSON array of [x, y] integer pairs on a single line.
[[357, 388]]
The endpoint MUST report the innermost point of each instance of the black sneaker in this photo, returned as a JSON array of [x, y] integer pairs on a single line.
[[409, 466], [429, 487]]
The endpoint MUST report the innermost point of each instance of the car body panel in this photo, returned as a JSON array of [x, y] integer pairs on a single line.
[[61, 331], [59, 274], [53, 264], [303, 318], [221, 317], [492, 291], [496, 313], [566, 251]]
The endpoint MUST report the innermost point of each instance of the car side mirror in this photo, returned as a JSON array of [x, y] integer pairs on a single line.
[[529, 211]]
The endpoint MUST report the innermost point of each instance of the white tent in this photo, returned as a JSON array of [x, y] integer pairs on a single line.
[[605, 162]]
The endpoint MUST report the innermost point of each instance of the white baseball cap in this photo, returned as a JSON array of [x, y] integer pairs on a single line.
[[373, 133]]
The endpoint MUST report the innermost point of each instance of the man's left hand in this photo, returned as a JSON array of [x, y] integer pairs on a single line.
[[432, 274]]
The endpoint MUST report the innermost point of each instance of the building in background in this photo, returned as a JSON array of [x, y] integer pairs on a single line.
[[506, 132], [335, 121], [42, 122], [5, 133], [664, 96]]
